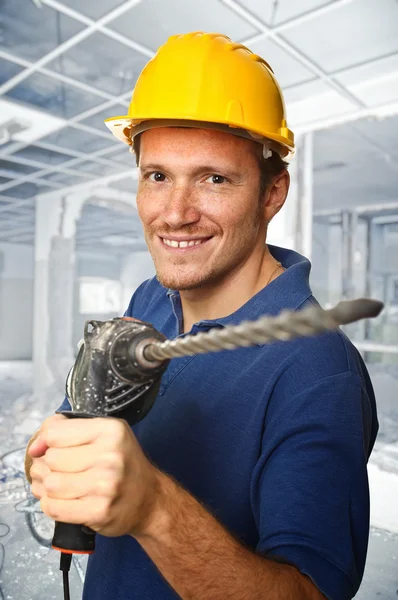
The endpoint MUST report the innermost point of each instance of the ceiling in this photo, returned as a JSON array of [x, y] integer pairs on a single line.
[[65, 66]]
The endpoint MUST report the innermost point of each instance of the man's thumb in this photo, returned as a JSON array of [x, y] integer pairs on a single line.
[[37, 448]]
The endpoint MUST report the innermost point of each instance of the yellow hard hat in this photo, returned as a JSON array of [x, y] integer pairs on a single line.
[[204, 78]]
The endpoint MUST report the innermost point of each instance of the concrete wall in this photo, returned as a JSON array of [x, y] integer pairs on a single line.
[[16, 301], [92, 265], [131, 270], [16, 292]]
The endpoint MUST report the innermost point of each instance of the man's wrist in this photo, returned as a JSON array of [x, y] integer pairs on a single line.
[[158, 521]]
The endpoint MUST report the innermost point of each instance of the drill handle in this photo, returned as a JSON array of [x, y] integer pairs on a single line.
[[73, 539], [70, 538]]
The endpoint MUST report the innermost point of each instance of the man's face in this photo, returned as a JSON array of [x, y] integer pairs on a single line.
[[198, 199]]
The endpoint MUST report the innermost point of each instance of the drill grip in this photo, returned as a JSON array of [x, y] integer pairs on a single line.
[[70, 538], [73, 539]]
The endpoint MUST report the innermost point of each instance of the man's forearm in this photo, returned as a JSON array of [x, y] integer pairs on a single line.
[[202, 561]]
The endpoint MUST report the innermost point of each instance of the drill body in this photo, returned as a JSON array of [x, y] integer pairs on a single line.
[[110, 378]]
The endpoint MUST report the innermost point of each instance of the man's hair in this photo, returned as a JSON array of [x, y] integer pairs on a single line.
[[269, 167]]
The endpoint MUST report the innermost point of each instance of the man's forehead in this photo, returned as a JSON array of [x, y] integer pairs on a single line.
[[166, 139]]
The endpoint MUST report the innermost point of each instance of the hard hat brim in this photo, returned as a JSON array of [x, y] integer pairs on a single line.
[[122, 128]]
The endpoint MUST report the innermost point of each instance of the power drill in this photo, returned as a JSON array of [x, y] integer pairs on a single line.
[[110, 378]]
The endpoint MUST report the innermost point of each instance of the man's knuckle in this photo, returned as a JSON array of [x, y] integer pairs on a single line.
[[34, 472], [108, 485], [113, 460], [49, 508], [51, 457], [102, 512], [114, 428], [36, 490], [51, 482]]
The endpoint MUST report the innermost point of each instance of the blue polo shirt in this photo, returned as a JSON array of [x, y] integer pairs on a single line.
[[273, 439]]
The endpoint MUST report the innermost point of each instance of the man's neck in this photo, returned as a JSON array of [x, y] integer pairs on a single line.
[[224, 298]]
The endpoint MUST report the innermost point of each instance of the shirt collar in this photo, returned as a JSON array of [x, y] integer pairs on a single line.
[[288, 291]]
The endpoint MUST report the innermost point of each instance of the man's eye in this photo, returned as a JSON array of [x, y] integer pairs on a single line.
[[158, 177], [217, 179]]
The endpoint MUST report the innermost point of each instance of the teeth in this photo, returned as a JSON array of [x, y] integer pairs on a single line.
[[184, 244]]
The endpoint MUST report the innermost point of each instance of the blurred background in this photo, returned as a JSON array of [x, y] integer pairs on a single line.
[[72, 248]]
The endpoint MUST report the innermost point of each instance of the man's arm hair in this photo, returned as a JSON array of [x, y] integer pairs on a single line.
[[200, 559]]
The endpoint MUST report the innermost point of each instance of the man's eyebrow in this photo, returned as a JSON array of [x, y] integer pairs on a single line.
[[151, 167]]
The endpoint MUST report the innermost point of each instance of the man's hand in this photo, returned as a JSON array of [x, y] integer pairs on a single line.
[[93, 472]]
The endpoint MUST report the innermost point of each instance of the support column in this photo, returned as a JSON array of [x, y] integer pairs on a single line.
[[349, 223], [292, 226], [374, 287], [335, 263], [53, 293]]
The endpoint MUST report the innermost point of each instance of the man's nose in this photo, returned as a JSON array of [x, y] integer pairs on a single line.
[[180, 208]]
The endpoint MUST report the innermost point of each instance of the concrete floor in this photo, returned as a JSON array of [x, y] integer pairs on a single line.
[[29, 571], [380, 581]]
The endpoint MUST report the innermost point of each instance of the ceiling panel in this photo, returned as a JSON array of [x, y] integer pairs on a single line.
[[123, 155], [127, 185], [272, 13], [101, 63], [369, 70], [26, 190], [65, 178], [305, 90], [340, 144], [382, 131], [30, 32], [287, 69], [315, 108], [73, 139], [8, 69], [107, 220], [359, 31], [16, 168], [46, 157], [151, 22], [349, 171], [93, 8], [377, 91], [358, 38], [97, 121], [100, 169], [53, 96]]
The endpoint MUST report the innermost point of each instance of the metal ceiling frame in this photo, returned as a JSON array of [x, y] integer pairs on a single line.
[[309, 15], [27, 64], [101, 157], [92, 27], [100, 25], [290, 49]]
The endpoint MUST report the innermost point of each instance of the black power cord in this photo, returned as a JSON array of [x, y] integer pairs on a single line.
[[64, 566]]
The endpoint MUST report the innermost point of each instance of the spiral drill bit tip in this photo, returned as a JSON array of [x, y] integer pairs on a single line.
[[286, 326]]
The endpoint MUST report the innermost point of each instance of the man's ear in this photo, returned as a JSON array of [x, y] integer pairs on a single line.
[[276, 194]]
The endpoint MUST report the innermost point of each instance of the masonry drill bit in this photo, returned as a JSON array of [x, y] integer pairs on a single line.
[[288, 325]]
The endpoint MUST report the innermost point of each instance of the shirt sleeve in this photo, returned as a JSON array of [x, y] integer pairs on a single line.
[[310, 493], [65, 406]]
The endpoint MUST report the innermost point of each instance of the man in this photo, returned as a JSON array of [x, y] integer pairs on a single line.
[[247, 479]]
